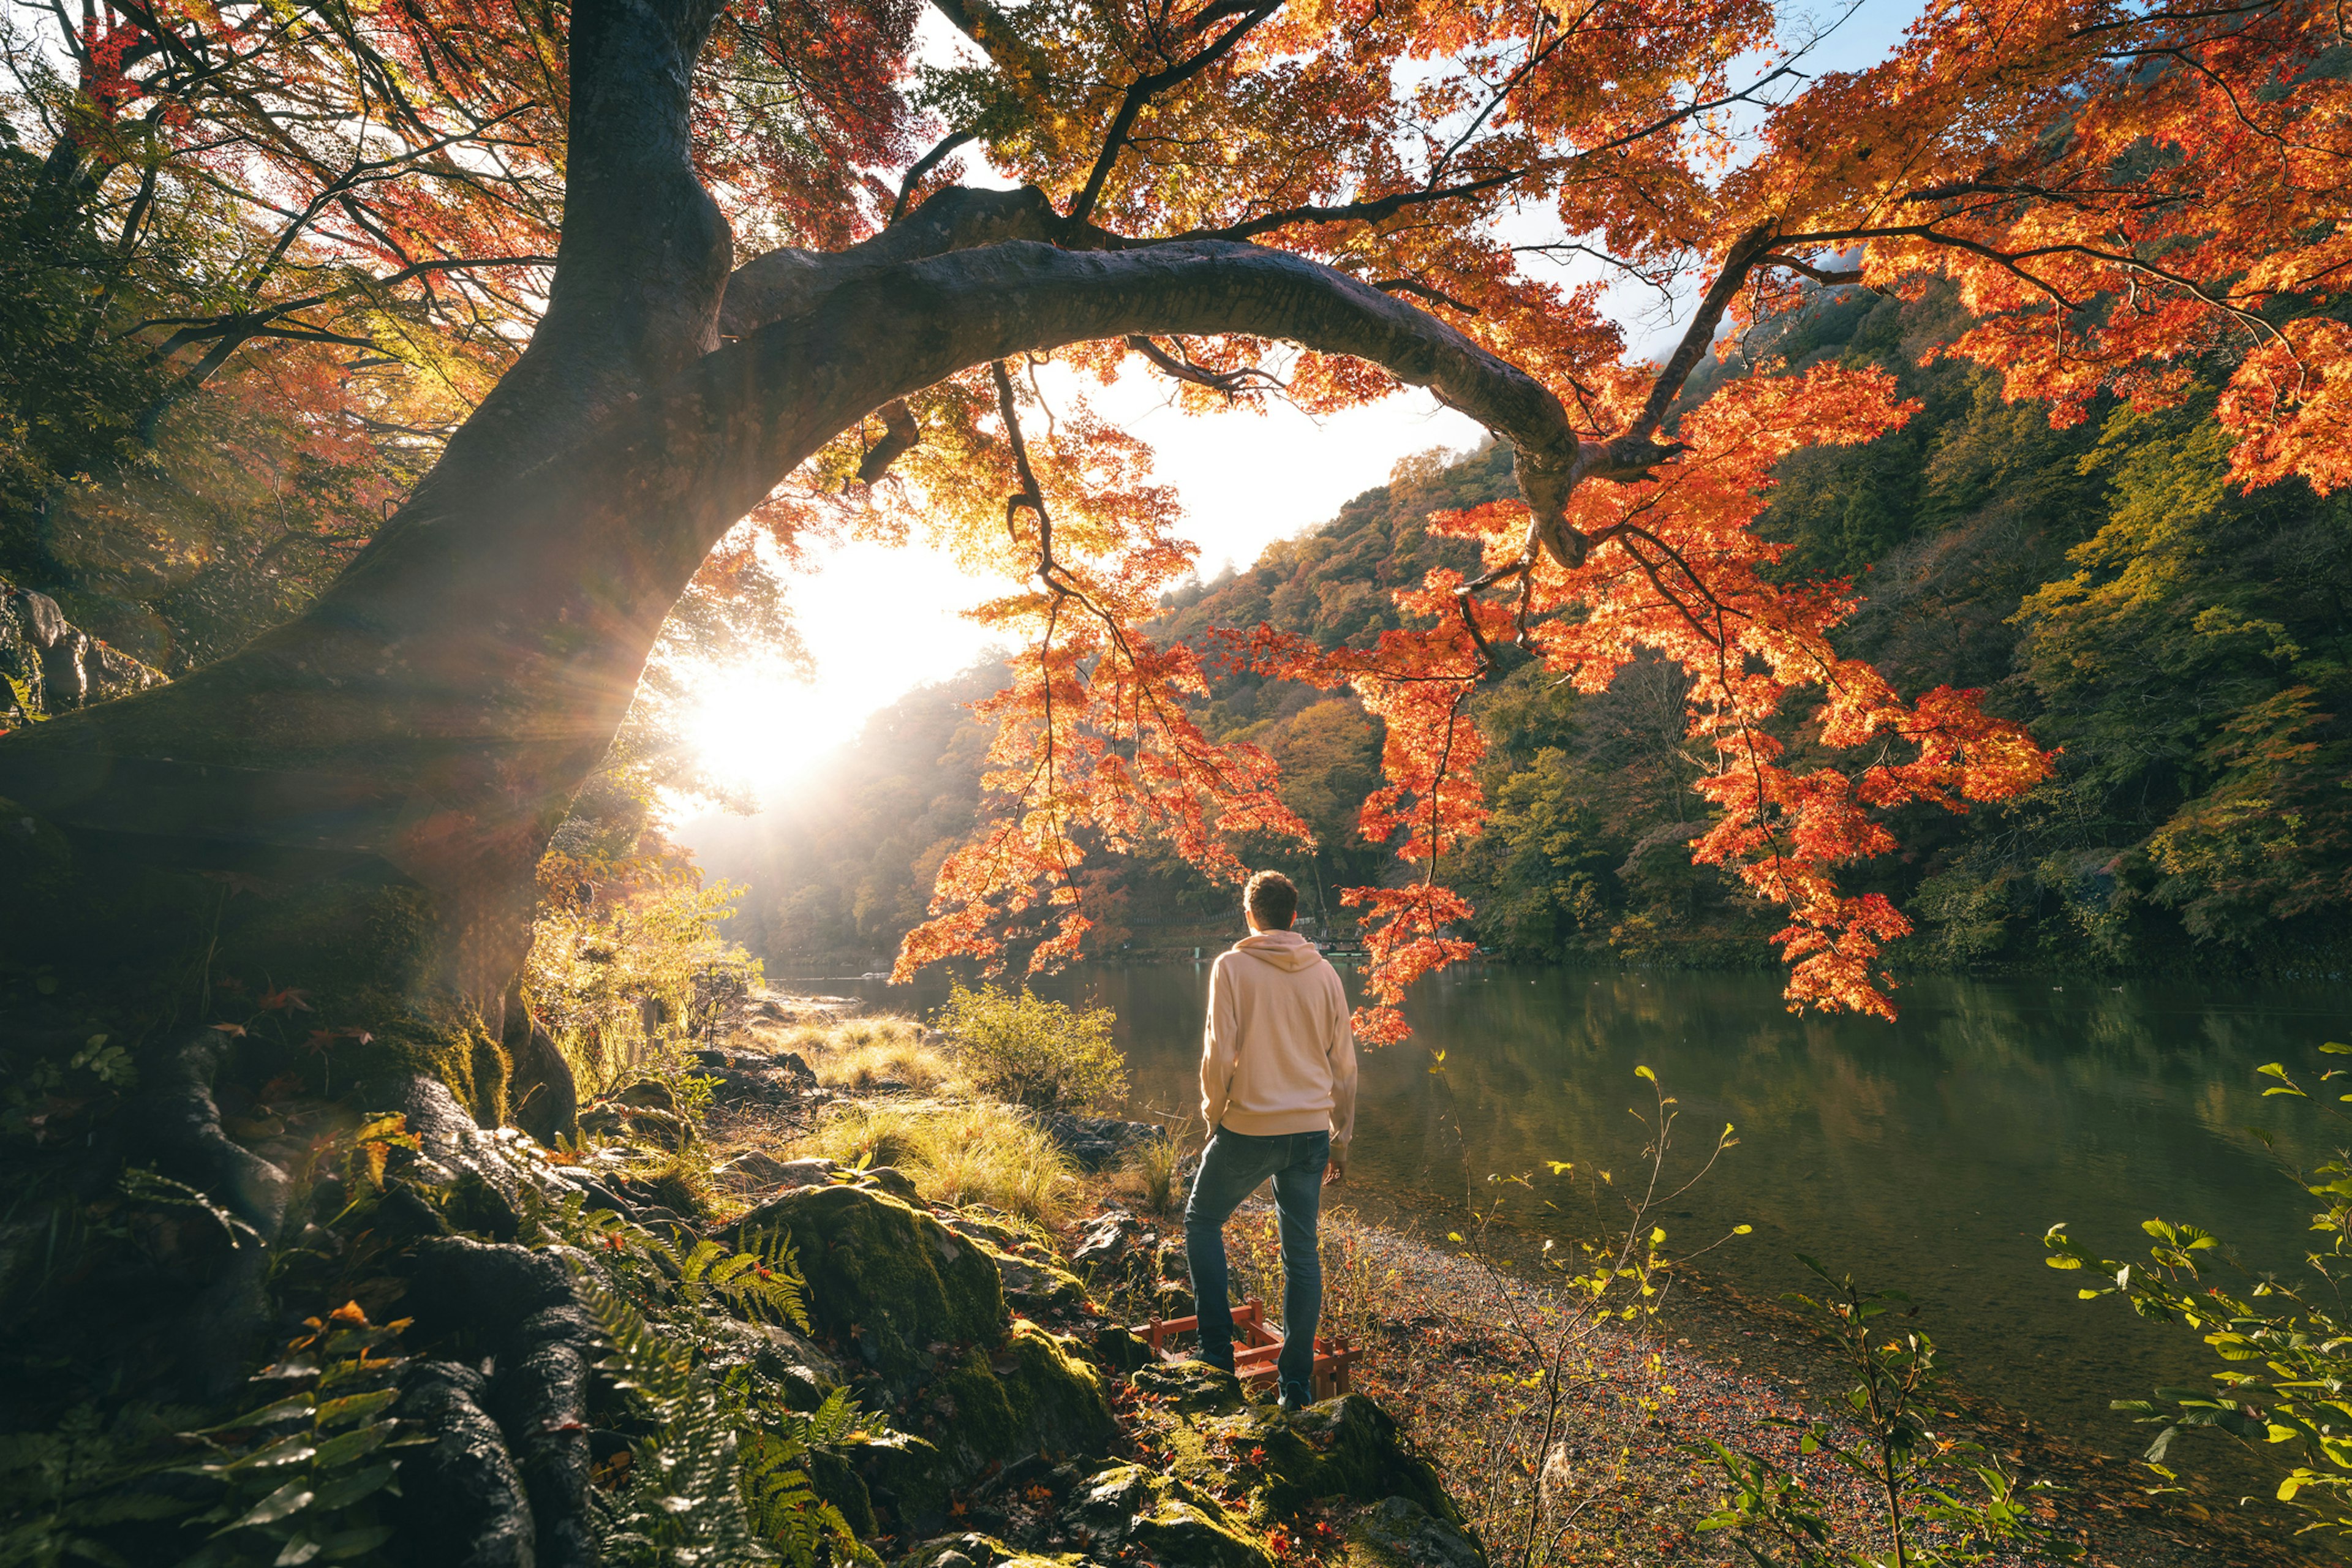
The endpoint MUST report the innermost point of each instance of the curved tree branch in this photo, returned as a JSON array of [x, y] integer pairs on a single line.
[[924, 166], [480, 658], [1141, 90]]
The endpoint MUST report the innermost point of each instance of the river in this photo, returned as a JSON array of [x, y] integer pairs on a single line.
[[1927, 1155]]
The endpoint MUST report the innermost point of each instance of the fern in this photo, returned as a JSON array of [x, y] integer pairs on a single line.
[[778, 1492], [682, 1504], [763, 1284], [66, 1489]]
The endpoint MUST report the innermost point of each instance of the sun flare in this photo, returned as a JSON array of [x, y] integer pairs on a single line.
[[752, 725]]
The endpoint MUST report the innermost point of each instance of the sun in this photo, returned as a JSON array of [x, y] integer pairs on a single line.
[[754, 726]]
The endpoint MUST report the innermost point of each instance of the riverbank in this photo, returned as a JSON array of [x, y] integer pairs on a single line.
[[1454, 1343], [1452, 1353]]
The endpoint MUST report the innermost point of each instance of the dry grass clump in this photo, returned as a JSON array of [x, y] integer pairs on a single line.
[[975, 1152], [923, 1069], [1151, 1178], [858, 1054]]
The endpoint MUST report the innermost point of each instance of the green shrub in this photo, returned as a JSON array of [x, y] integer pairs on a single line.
[[1034, 1052], [627, 984]]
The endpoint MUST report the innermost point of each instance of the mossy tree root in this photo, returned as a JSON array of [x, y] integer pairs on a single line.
[[528, 1489], [225, 1326]]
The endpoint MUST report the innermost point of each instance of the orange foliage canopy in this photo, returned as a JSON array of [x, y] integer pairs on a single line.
[[2127, 197]]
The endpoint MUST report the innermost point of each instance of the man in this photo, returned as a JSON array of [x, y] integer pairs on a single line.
[[1278, 1095]]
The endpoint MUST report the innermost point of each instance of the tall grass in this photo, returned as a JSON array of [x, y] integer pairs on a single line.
[[1358, 1286], [1151, 1176], [976, 1152], [861, 1053]]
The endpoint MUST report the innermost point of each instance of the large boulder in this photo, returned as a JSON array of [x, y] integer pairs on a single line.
[[889, 1283], [1345, 1447], [1191, 1387], [1035, 1283], [917, 1313], [1031, 1395]]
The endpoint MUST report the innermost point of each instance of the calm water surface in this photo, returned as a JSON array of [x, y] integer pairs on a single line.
[[1927, 1155]]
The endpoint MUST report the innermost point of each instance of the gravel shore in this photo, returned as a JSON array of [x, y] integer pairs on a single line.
[[1451, 1344]]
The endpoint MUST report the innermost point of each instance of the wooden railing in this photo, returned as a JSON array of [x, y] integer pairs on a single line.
[[1256, 1348]]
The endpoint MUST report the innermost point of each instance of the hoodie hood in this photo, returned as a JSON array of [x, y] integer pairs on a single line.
[[1282, 948]]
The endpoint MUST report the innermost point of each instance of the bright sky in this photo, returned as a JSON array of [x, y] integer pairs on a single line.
[[1246, 479]]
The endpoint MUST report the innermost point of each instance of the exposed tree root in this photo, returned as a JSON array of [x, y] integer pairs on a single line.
[[224, 1329], [517, 1306], [462, 1501]]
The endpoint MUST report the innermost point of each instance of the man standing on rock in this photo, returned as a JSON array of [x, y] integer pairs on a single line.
[[1278, 1096]]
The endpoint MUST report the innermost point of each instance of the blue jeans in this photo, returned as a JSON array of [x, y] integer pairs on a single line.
[[1231, 1168]]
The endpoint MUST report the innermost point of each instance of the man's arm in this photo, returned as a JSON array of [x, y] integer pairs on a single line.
[[1340, 1053], [1220, 1037]]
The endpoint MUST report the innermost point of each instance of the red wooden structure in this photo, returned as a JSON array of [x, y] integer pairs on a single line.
[[1255, 1347]]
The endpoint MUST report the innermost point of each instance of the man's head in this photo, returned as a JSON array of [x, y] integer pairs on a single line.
[[1270, 902]]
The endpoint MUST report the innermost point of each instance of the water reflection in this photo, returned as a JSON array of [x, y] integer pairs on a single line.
[[1927, 1155]]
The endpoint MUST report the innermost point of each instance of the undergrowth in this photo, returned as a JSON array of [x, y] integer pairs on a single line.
[[978, 1151]]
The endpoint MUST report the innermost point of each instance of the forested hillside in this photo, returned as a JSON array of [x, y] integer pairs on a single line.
[[2185, 645]]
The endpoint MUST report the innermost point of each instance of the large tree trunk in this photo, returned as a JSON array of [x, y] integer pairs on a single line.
[[400, 753]]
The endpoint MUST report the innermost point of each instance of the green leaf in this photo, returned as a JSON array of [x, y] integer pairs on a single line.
[[284, 1409], [345, 1490], [356, 1443], [357, 1543], [284, 1503], [285, 1451], [352, 1407]]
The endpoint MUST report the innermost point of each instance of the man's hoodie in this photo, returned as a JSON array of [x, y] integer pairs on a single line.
[[1278, 1055]]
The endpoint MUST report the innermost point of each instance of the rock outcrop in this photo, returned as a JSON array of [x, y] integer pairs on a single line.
[[49, 666], [1003, 1432]]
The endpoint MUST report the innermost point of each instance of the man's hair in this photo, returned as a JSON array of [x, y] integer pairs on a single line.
[[1272, 899]]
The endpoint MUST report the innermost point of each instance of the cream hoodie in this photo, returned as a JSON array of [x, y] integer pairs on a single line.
[[1278, 1055]]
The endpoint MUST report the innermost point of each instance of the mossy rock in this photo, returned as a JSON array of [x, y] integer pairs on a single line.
[[1121, 1351], [901, 1480], [1031, 1395], [1163, 1519], [974, 1551], [1398, 1532], [886, 1282], [1344, 1448], [1033, 1286], [1191, 1387]]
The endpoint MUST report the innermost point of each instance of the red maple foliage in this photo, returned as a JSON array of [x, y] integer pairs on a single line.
[[2131, 198], [2127, 197]]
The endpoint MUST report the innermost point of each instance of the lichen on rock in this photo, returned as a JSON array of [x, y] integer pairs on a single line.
[[1167, 1520]]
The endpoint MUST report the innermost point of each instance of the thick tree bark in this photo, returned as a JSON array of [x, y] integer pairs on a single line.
[[433, 713]]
